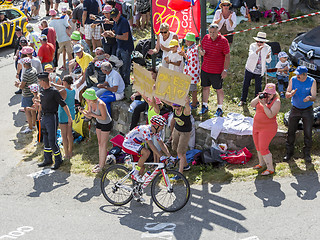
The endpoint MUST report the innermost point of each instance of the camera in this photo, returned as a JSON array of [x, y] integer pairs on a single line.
[[263, 95]]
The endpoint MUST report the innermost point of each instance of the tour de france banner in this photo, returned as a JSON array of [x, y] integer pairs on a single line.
[[143, 81], [172, 86], [183, 16]]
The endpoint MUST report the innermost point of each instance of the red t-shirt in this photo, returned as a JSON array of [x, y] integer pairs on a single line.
[[46, 51], [51, 35], [213, 59]]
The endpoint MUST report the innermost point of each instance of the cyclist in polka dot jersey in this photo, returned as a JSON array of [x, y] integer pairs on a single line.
[[134, 140]]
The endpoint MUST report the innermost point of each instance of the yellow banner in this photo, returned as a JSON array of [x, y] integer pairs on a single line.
[[172, 86], [143, 81]]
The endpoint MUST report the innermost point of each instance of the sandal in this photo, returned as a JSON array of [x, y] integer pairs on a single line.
[[258, 166], [267, 172]]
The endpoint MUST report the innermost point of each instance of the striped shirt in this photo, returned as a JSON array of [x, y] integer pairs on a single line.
[[29, 77], [215, 52]]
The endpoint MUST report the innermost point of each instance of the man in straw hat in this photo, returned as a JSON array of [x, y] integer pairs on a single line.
[[259, 55]]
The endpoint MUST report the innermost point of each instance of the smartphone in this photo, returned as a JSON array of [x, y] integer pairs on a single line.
[[101, 57]]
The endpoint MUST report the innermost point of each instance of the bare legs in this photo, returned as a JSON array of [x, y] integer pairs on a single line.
[[103, 138], [266, 160], [67, 139]]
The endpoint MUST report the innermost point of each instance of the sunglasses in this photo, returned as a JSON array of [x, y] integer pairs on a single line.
[[225, 5], [164, 32], [259, 42]]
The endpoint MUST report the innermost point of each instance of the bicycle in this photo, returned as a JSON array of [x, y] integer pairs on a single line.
[[170, 195]]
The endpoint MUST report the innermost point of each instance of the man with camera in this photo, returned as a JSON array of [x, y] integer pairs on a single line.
[[302, 90]]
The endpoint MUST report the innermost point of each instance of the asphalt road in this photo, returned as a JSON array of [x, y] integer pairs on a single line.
[[63, 206]]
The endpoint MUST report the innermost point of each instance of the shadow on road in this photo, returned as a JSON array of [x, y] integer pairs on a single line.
[[204, 211], [269, 192], [14, 100], [306, 188], [86, 194], [19, 119], [49, 182]]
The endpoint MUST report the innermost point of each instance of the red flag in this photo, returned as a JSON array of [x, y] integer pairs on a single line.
[[180, 22]]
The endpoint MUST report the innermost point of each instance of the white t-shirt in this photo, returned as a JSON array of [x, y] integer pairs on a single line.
[[115, 79], [282, 65], [175, 57]]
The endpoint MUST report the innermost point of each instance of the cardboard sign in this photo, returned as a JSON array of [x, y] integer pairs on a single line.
[[172, 86], [143, 81]]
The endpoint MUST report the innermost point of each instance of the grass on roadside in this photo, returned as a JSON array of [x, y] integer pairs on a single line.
[[86, 153]]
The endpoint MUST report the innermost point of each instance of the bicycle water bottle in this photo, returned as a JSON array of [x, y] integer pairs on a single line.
[[146, 175]]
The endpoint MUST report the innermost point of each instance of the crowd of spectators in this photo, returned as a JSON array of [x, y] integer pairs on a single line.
[[96, 43]]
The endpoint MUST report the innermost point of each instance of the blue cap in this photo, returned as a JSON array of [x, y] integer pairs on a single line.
[[301, 70]]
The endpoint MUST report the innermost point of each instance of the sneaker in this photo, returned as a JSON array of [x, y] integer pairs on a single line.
[[27, 130], [187, 168], [175, 178], [137, 177], [218, 113], [204, 109], [18, 92], [241, 103]]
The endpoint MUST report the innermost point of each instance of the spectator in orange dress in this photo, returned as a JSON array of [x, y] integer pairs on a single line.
[[265, 125]]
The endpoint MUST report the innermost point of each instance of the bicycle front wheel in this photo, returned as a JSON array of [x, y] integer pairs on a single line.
[[174, 198], [116, 185]]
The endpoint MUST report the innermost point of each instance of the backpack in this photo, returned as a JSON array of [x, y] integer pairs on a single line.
[[237, 157]]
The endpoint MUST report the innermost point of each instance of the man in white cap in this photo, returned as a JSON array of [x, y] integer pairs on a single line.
[[29, 77], [83, 59]]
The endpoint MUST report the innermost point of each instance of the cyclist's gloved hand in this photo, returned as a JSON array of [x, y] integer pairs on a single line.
[[163, 159]]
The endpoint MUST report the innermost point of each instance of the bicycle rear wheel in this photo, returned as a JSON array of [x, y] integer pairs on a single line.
[[173, 199], [116, 185]]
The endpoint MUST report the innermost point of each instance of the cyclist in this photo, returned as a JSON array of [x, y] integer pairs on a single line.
[[134, 143]]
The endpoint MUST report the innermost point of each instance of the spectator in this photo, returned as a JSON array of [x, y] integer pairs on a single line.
[[216, 59], [48, 4], [83, 59], [77, 14], [226, 19], [29, 77], [50, 32], [303, 91], [50, 99], [282, 72], [62, 27], [109, 43], [94, 68], [53, 78], [113, 87], [163, 41], [35, 62], [3, 18], [192, 67], [265, 125], [174, 59], [52, 38], [97, 109], [22, 43], [46, 51], [34, 38], [92, 34], [259, 55], [122, 33], [35, 8], [32, 111], [76, 39], [68, 94], [56, 5], [73, 26], [17, 46], [181, 133], [143, 9]]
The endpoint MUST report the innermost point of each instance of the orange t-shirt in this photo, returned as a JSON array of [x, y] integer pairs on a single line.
[[261, 120]]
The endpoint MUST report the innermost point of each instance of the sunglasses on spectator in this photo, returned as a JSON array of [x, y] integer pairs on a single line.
[[164, 32], [225, 5], [259, 42]]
